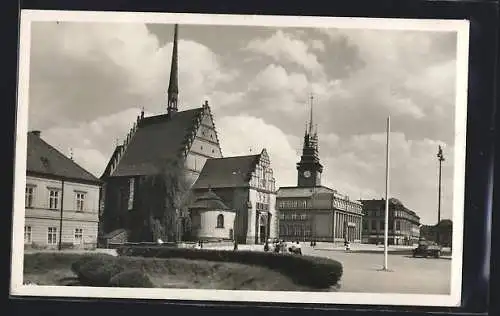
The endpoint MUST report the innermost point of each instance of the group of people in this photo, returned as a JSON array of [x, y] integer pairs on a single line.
[[281, 246]]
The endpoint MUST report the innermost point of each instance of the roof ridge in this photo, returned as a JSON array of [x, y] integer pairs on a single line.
[[234, 157]]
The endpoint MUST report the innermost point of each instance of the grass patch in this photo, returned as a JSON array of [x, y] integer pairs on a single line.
[[56, 269]]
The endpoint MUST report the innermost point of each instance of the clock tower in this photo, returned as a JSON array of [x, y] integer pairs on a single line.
[[309, 168]]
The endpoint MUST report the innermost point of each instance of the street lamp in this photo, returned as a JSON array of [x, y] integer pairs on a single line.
[[440, 157]]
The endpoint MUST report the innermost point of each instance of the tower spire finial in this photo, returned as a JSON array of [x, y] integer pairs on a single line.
[[311, 115], [173, 86]]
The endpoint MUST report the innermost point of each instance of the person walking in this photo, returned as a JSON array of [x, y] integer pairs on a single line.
[[298, 248]]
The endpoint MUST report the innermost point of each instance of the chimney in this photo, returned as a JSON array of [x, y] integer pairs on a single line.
[[36, 133]]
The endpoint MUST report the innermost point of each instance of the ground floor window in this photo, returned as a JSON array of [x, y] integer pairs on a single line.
[[78, 236], [27, 234], [52, 235]]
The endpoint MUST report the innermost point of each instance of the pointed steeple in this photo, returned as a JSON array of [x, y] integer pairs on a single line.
[[311, 116], [309, 167], [173, 86]]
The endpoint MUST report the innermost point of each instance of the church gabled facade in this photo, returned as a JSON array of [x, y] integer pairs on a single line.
[[231, 198], [184, 139], [245, 184]]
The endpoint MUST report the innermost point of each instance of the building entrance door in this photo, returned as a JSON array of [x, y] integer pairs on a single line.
[[262, 229], [262, 234]]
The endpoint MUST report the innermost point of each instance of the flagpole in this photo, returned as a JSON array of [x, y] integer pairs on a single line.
[[386, 225]]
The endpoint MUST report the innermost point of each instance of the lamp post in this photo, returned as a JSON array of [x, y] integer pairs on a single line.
[[440, 157]]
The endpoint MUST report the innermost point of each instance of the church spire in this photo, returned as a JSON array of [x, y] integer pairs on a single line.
[[173, 86], [311, 116], [309, 167]]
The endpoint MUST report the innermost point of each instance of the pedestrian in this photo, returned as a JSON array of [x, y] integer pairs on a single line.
[[298, 248], [347, 245]]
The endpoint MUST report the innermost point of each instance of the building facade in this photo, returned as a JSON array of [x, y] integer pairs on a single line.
[[246, 185], [441, 233], [61, 199], [404, 224], [181, 140], [311, 211], [211, 219]]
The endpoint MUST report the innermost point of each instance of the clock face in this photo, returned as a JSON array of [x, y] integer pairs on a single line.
[[307, 173]]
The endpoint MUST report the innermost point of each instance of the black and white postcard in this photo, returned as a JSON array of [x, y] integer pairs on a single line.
[[240, 158]]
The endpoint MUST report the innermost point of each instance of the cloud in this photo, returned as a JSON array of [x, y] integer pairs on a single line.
[[236, 140], [92, 143], [356, 165], [317, 45], [284, 47], [80, 71]]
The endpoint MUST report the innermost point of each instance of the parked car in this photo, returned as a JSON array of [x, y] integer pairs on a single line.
[[427, 249]]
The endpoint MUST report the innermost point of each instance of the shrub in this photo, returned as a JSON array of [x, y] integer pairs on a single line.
[[96, 270], [132, 278], [316, 272], [75, 266]]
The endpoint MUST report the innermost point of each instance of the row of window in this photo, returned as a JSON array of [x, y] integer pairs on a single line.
[[338, 204], [54, 198], [381, 226], [263, 197], [346, 205], [293, 204], [294, 216], [52, 235], [295, 230], [398, 213]]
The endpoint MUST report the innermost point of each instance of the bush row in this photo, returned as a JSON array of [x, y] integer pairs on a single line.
[[315, 272], [107, 271]]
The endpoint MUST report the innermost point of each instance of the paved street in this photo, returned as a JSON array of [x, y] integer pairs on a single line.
[[361, 269], [408, 276]]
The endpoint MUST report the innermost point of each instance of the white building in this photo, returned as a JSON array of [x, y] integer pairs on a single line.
[[61, 201], [246, 186]]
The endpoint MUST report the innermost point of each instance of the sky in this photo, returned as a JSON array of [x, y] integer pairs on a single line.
[[89, 81]]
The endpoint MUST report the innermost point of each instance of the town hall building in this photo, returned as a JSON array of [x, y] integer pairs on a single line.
[[311, 211], [184, 144]]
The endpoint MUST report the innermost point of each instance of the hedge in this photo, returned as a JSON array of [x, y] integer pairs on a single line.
[[315, 272], [132, 278], [96, 270]]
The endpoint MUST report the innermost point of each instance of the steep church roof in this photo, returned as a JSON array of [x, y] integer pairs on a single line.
[[227, 172], [44, 159], [158, 139]]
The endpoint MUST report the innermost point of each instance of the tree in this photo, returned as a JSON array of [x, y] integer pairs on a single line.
[[162, 196]]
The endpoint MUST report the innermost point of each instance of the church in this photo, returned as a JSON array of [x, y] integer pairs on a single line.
[[311, 211], [178, 153]]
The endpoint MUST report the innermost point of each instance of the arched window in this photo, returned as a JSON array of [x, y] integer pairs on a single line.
[[220, 221]]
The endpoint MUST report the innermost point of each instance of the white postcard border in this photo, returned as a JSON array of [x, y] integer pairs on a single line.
[[460, 26]]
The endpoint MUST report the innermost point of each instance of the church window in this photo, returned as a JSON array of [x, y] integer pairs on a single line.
[[131, 194], [213, 150], [201, 147], [220, 221]]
